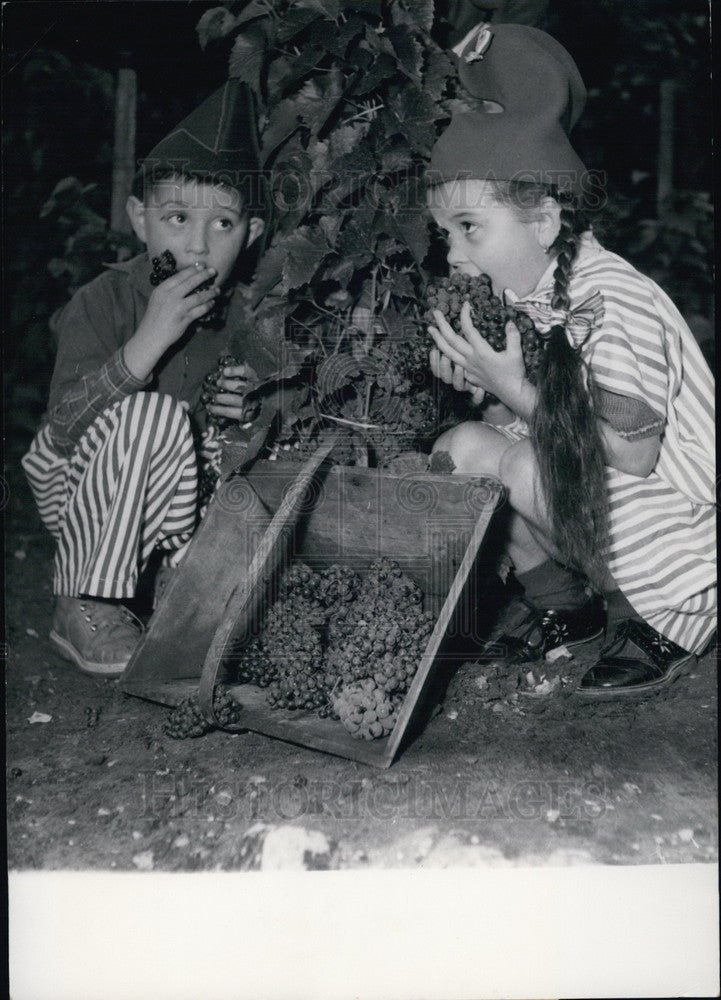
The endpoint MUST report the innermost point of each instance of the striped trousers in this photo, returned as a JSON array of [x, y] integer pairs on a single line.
[[130, 486]]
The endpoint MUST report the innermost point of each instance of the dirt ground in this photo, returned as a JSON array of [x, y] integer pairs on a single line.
[[499, 776]]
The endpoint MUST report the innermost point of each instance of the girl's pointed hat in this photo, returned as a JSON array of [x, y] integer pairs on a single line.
[[534, 95], [218, 141]]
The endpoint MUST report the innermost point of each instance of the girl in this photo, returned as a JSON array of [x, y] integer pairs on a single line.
[[608, 459]]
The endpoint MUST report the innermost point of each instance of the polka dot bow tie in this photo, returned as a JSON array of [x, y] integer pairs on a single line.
[[579, 322]]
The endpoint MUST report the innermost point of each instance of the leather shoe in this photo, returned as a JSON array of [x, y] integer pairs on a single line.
[[541, 631], [650, 662]]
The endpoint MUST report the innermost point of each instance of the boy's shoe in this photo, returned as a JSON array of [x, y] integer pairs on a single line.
[[98, 636], [651, 662], [540, 631]]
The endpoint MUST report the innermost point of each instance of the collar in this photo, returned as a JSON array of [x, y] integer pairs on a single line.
[[543, 290], [580, 321], [138, 272]]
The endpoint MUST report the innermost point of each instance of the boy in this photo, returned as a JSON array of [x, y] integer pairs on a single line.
[[113, 468]]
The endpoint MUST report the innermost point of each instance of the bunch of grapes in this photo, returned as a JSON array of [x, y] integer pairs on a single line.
[[365, 710], [210, 389], [186, 721], [254, 665], [333, 634], [338, 585], [488, 314], [165, 266]]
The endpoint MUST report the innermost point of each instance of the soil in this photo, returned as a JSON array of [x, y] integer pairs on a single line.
[[509, 769]]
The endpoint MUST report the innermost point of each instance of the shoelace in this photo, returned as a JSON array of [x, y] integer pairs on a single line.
[[106, 617]]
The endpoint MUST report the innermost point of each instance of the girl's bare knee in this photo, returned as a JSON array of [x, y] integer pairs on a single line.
[[475, 447]]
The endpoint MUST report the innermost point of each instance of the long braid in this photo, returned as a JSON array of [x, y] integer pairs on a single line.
[[564, 430]]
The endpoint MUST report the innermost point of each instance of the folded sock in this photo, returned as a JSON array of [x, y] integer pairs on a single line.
[[551, 585]]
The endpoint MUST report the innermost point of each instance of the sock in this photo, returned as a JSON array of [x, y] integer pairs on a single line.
[[551, 585]]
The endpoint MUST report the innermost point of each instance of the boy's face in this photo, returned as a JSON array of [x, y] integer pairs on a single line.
[[199, 222]]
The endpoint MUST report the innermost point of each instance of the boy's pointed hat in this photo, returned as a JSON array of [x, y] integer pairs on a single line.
[[538, 95], [218, 141]]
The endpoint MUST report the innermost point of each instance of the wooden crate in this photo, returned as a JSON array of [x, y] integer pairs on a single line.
[[432, 525]]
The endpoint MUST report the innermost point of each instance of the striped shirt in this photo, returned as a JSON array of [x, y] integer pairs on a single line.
[[662, 550]]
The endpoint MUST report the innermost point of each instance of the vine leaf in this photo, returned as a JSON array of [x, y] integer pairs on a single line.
[[408, 51], [214, 24], [248, 56], [305, 250], [329, 8], [296, 20], [415, 113], [415, 12], [437, 70]]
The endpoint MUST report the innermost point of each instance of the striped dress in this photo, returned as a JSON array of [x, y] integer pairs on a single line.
[[662, 550]]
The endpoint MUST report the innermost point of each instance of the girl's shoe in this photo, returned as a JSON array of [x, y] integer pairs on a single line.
[[98, 636], [650, 662], [541, 631]]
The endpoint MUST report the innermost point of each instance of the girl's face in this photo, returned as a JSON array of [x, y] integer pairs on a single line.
[[487, 237], [199, 222]]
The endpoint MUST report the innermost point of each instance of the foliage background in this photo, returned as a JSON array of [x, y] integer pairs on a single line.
[[60, 62]]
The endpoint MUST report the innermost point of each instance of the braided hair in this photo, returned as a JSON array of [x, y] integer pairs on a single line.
[[564, 430]]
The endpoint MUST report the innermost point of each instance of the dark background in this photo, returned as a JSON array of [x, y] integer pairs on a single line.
[[60, 61]]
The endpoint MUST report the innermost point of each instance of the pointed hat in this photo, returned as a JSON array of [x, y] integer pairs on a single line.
[[217, 141], [540, 95]]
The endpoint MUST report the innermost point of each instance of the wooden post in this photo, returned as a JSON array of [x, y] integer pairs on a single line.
[[664, 181], [124, 148]]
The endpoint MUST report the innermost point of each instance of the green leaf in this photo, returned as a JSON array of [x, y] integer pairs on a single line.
[[269, 271], [214, 24], [356, 244], [407, 49], [315, 102], [438, 70], [294, 21], [382, 68], [402, 285], [248, 56], [417, 12], [415, 113], [345, 138], [305, 250], [372, 7], [329, 8], [346, 33], [252, 11], [281, 124], [297, 68]]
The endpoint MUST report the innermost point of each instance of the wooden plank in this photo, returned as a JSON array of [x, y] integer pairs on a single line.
[[246, 598], [187, 615], [421, 680]]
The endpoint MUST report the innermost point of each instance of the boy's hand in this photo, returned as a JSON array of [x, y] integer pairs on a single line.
[[176, 303], [233, 386], [172, 307]]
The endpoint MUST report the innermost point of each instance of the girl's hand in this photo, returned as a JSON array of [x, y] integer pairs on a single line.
[[175, 304], [233, 386], [454, 375], [499, 372]]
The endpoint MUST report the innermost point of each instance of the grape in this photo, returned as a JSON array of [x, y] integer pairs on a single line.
[[209, 389], [488, 314], [330, 631], [165, 266], [186, 721]]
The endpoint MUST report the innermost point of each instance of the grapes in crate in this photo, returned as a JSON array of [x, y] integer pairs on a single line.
[[488, 314], [340, 642]]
